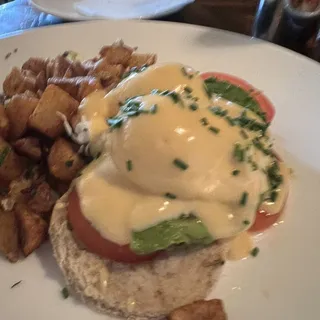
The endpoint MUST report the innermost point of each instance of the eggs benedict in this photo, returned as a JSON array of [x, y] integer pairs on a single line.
[[182, 163]]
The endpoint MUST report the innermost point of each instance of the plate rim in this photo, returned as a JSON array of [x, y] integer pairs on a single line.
[[173, 24], [78, 17]]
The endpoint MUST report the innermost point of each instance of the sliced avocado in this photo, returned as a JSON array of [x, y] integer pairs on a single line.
[[183, 230]]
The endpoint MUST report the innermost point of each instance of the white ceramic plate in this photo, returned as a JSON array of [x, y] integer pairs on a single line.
[[109, 9], [283, 281]]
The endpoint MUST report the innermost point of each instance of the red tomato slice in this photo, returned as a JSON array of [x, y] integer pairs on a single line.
[[263, 101], [264, 221], [92, 239]]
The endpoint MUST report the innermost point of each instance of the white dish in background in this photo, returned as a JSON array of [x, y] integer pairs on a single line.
[[283, 281], [109, 9]]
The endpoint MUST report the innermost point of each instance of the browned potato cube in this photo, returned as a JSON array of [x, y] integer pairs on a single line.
[[45, 119], [9, 241], [200, 310], [88, 86], [18, 110], [43, 199], [11, 165], [103, 69], [78, 87], [139, 60], [78, 70], [63, 161], [32, 229], [29, 147], [4, 123], [18, 82], [117, 53], [36, 65]]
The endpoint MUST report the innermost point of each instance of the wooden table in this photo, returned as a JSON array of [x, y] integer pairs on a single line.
[[233, 15]]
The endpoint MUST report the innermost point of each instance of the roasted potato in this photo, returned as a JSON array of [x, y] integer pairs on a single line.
[[42, 199], [4, 123], [18, 81], [29, 147], [32, 229], [200, 310], [117, 53], [18, 111], [36, 65], [45, 119], [11, 165], [9, 241], [78, 87], [139, 60], [104, 70], [63, 161]]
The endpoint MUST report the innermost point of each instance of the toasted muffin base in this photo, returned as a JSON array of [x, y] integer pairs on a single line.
[[144, 291]]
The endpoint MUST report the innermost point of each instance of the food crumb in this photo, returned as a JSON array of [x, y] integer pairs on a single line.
[[15, 284], [7, 56], [65, 293], [15, 50]]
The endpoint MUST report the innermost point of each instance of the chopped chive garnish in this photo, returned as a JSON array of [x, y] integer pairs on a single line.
[[238, 153], [4, 154], [218, 111], [235, 172], [214, 129], [195, 98], [69, 163], [188, 89], [246, 222], [180, 164], [170, 195], [273, 196], [185, 73], [230, 121], [174, 96], [255, 251], [65, 293], [115, 122], [244, 198], [204, 121], [154, 109], [244, 134], [193, 107], [129, 165]]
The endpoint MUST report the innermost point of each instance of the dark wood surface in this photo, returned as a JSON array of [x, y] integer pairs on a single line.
[[232, 15]]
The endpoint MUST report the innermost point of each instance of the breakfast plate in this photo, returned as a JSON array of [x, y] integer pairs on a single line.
[[282, 281], [76, 10]]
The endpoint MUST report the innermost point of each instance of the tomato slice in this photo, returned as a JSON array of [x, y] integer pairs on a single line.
[[264, 102], [264, 221], [92, 239]]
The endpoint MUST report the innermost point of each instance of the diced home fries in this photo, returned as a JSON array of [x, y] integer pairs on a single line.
[[38, 159]]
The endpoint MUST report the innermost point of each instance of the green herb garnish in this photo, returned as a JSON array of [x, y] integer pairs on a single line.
[[193, 107], [246, 222], [273, 196], [244, 198], [129, 165], [235, 172], [69, 163], [180, 164], [255, 251], [4, 154], [204, 121], [65, 293], [238, 153], [170, 195], [214, 129], [188, 89]]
